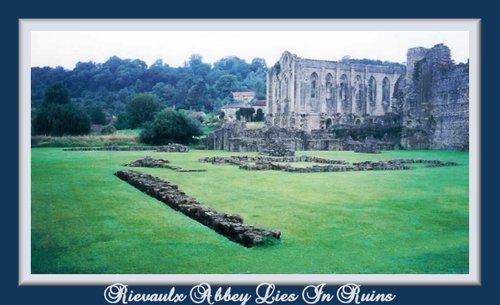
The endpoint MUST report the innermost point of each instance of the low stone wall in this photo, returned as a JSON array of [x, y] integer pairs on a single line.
[[160, 163], [174, 147], [380, 165], [278, 141], [366, 149], [238, 160], [363, 166], [112, 148], [428, 163], [230, 226], [282, 164], [163, 148]]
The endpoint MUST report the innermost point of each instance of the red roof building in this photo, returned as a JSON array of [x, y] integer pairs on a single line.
[[244, 96]]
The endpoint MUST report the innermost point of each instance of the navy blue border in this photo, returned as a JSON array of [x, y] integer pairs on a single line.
[[10, 14]]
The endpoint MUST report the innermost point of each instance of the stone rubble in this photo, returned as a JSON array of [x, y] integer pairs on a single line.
[[173, 147], [149, 162], [160, 163], [239, 160], [283, 164], [228, 225]]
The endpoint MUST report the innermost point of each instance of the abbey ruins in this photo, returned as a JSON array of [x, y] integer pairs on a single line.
[[351, 104]]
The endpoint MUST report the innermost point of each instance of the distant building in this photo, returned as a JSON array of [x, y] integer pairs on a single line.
[[244, 97], [230, 111]]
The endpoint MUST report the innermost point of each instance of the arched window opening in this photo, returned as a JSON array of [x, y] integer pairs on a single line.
[[314, 85], [329, 123]]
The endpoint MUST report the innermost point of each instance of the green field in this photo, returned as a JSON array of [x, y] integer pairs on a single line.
[[86, 220]]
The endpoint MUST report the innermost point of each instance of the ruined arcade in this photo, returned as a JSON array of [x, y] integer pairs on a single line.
[[315, 94]]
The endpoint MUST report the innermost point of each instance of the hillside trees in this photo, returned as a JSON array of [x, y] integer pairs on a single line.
[[195, 86]]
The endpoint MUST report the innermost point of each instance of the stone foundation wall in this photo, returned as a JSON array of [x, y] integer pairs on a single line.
[[230, 226], [260, 163]]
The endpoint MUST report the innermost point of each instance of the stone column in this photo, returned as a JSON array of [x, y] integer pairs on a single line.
[[352, 88]]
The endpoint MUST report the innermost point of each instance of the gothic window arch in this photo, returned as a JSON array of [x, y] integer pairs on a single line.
[[314, 85], [329, 123]]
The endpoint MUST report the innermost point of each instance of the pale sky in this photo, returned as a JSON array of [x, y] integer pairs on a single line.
[[66, 48]]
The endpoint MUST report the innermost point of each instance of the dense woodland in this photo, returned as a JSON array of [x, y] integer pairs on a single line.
[[108, 86]]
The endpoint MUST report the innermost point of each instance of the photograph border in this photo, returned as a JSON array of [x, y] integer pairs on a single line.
[[26, 26]]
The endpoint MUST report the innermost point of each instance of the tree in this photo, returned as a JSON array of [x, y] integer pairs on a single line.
[[195, 85], [196, 95], [225, 84], [246, 113], [56, 94], [259, 116], [142, 108], [97, 115], [57, 116], [122, 121], [169, 126]]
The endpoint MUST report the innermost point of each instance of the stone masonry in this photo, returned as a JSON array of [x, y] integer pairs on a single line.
[[313, 94], [436, 101]]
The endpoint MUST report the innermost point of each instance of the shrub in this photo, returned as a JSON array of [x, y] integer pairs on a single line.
[[61, 119], [171, 126], [57, 116]]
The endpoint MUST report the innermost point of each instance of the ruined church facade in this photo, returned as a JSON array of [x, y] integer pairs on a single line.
[[310, 94], [350, 104]]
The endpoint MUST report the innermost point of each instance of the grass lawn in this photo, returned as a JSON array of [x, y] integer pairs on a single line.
[[86, 220]]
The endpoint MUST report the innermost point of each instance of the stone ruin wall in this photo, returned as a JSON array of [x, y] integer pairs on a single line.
[[428, 108], [436, 101], [313, 94], [382, 135]]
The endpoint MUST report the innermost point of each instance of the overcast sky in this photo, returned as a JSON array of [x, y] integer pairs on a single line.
[[66, 48]]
